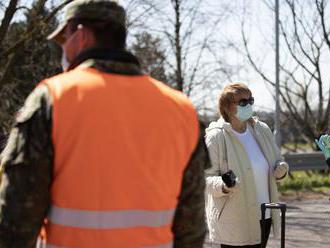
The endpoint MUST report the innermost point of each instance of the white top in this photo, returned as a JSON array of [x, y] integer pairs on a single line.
[[259, 164]]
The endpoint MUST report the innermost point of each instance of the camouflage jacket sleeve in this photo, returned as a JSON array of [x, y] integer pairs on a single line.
[[27, 166], [189, 226]]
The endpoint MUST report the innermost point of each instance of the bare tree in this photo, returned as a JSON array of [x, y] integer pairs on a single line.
[[151, 55], [190, 33], [304, 85]]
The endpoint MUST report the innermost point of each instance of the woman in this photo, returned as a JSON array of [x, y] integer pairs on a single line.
[[245, 145]]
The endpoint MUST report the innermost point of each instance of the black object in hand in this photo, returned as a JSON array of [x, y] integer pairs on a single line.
[[229, 178]]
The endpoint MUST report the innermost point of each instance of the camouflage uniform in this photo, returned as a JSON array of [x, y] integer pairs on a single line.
[[27, 161]]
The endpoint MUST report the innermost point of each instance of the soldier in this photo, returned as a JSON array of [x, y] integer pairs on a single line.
[[102, 155]]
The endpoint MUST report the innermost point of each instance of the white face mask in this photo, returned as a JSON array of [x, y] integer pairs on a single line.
[[64, 61], [244, 113]]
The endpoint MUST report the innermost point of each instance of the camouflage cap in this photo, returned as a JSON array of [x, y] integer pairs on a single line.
[[98, 10]]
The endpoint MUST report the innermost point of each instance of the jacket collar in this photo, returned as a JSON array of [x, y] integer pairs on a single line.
[[254, 127], [222, 124], [106, 60]]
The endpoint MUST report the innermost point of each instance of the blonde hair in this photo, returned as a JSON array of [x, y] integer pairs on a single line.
[[227, 97]]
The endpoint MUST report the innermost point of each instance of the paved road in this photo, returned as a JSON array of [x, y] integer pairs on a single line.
[[307, 225]]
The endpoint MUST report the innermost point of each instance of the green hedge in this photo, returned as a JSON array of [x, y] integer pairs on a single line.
[[302, 181]]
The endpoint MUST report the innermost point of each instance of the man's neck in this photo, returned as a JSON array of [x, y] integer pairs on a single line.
[[106, 60]]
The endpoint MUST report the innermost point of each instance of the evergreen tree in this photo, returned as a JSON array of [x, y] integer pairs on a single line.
[[35, 60], [151, 56]]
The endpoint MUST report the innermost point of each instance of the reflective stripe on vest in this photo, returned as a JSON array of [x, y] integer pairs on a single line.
[[169, 245], [109, 219]]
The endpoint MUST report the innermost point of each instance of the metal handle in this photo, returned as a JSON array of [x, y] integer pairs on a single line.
[[282, 207], [277, 205]]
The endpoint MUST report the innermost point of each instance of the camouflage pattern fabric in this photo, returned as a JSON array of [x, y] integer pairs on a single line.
[[26, 161], [101, 11]]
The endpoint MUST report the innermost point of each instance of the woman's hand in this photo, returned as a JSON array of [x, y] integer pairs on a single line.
[[281, 169], [230, 190]]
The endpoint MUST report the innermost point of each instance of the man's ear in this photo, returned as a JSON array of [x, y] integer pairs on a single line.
[[87, 36]]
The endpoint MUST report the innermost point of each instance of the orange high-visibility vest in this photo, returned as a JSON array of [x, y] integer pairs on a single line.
[[121, 146]]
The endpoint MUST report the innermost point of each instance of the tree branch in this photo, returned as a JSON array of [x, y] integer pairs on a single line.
[[9, 14]]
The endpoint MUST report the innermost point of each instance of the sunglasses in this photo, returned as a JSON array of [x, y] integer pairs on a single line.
[[243, 102]]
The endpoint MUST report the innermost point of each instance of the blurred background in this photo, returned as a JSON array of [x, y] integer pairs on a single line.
[[198, 47]]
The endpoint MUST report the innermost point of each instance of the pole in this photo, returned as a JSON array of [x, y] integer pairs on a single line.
[[277, 131]]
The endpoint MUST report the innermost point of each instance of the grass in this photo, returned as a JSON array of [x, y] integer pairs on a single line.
[[303, 181], [298, 147]]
